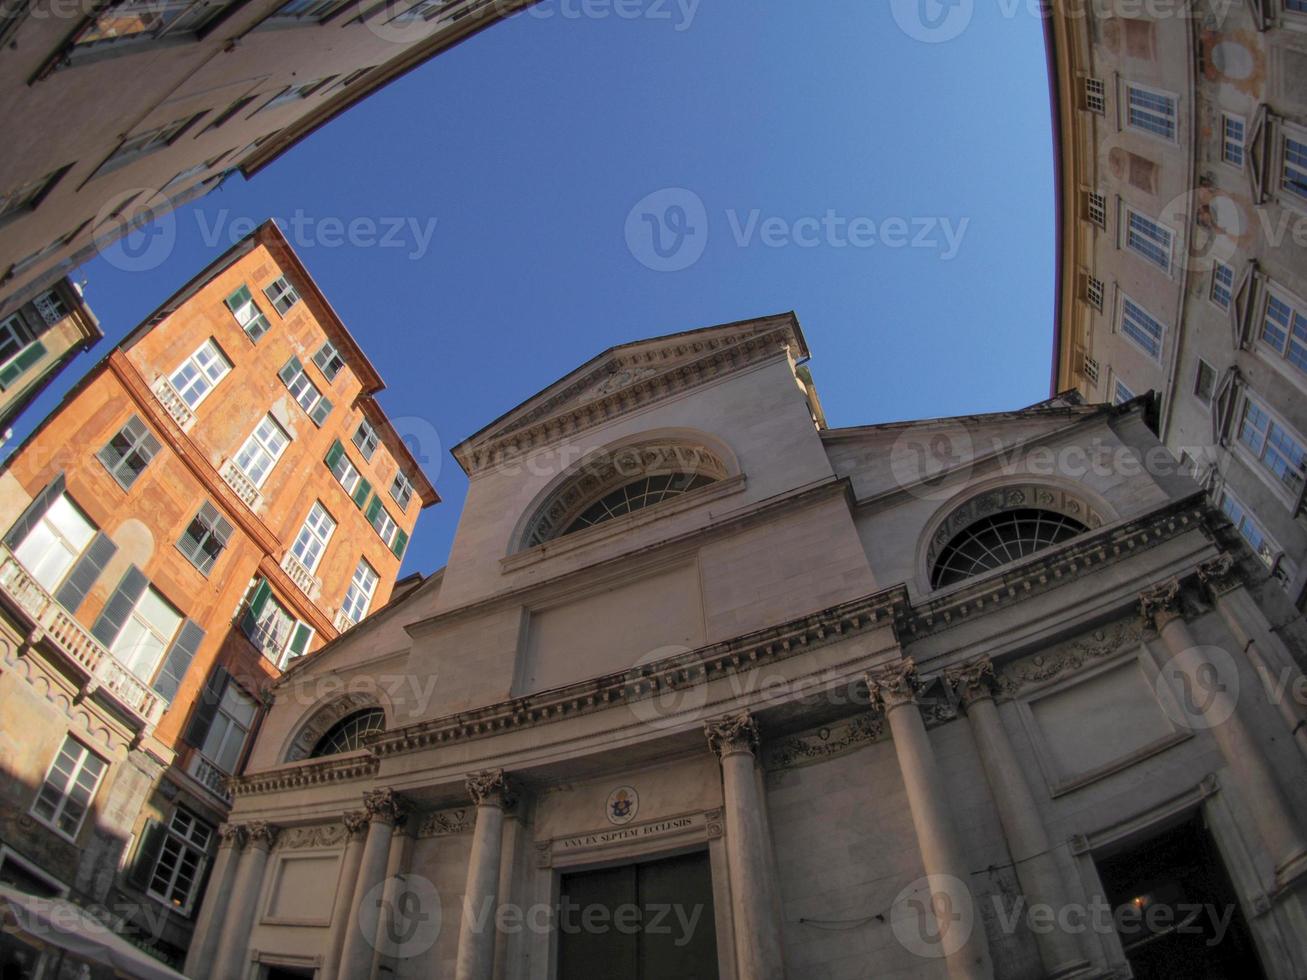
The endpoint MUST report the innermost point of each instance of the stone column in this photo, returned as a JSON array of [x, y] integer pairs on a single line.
[[356, 828], [1206, 701], [1027, 840], [217, 899], [757, 932], [384, 809], [894, 689], [234, 941], [476, 934], [396, 865], [1274, 664]]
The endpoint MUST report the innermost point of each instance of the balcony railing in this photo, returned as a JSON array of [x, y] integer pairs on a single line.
[[173, 403], [71, 639], [208, 775], [300, 575], [343, 622], [242, 484]]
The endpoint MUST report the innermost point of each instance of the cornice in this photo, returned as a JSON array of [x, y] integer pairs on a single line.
[[546, 424], [300, 776]]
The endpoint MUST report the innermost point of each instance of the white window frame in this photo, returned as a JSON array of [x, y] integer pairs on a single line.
[[1272, 556], [78, 767], [1227, 142], [1125, 232], [1095, 94], [278, 291], [1121, 392], [9, 856], [302, 385], [231, 724], [60, 538], [16, 327], [1297, 311], [309, 533], [388, 528], [254, 444], [1254, 457], [147, 676], [1290, 198], [1227, 287], [371, 440], [1171, 97], [193, 362], [1096, 209], [185, 842], [350, 477], [1137, 344], [1198, 377], [357, 600], [405, 494]]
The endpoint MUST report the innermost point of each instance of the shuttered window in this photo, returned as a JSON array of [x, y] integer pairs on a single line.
[[328, 360], [204, 538], [247, 313], [128, 453]]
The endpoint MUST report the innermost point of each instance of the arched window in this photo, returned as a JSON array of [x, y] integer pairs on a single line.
[[999, 539], [635, 496], [347, 734]]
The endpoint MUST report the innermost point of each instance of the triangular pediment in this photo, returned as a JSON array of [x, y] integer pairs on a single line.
[[631, 376]]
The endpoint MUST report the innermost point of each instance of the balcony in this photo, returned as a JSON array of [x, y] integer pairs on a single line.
[[301, 576], [343, 622], [209, 776], [242, 484], [71, 639], [173, 403]]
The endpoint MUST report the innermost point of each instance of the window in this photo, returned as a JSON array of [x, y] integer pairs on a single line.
[[365, 439], [17, 201], [1296, 6], [347, 474], [1279, 451], [382, 522], [180, 864], [140, 144], [149, 19], [359, 596], [1095, 95], [422, 10], [262, 450], [1091, 370], [69, 787], [1150, 111], [225, 739], [295, 93], [304, 391], [55, 542], [347, 734], [327, 359], [642, 493], [281, 295], [1249, 528], [149, 628], [401, 491], [1222, 285], [1293, 174], [199, 373], [1094, 292], [1204, 382], [272, 628], [33, 258], [312, 540], [247, 313], [308, 10], [129, 452], [1284, 330], [999, 539], [205, 537], [228, 112], [1232, 136], [1141, 327], [51, 307], [1147, 238], [1096, 208], [348, 80], [1120, 393], [19, 349]]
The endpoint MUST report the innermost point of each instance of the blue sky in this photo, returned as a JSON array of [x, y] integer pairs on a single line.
[[800, 127]]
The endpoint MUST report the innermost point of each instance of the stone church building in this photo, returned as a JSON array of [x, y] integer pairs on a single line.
[[711, 689]]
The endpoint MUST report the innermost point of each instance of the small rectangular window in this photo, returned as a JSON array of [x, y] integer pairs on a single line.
[[294, 93], [247, 313], [228, 112], [1096, 208], [19, 200], [1091, 370], [1204, 382], [1142, 328], [1284, 329], [1232, 137], [359, 596], [69, 788], [15, 335], [1151, 111], [1094, 292], [199, 373], [328, 360], [1095, 95], [1120, 393], [1293, 174], [313, 11], [312, 540], [365, 439], [1149, 239], [129, 452], [401, 491], [281, 295], [382, 522], [204, 538], [148, 141], [1222, 285], [128, 19], [149, 627]]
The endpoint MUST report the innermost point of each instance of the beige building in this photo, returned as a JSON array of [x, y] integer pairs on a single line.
[[709, 689], [154, 103], [1182, 135], [37, 341]]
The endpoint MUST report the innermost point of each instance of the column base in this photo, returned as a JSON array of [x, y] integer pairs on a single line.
[[1288, 872], [1074, 970]]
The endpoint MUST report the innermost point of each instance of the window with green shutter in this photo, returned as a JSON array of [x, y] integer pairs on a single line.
[[129, 452], [247, 313], [204, 538], [12, 371]]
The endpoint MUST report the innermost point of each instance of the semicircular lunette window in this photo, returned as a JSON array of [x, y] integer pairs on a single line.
[[999, 539], [637, 495], [347, 734]]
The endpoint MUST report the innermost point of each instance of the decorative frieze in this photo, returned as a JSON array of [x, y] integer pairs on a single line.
[[441, 823], [490, 787], [823, 743], [1071, 655], [320, 835], [733, 733]]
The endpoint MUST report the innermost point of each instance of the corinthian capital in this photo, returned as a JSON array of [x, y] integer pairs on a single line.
[[385, 806], [232, 835], [971, 681], [260, 833], [893, 684], [1219, 575], [356, 822], [489, 786], [1160, 604], [732, 733]]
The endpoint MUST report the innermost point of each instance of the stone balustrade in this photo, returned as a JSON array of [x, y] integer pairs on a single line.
[[242, 484], [173, 403]]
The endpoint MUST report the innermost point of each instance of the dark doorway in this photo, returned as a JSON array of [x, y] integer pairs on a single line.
[[648, 921], [1176, 911], [288, 973]]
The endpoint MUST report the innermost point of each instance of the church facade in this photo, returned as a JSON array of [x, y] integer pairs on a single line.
[[711, 689]]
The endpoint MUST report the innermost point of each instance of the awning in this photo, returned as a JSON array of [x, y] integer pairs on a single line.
[[63, 925]]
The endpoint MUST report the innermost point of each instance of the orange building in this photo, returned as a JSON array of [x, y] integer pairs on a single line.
[[221, 495]]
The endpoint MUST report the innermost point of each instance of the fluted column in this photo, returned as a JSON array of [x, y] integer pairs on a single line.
[[234, 941], [1274, 664], [384, 809], [476, 934], [1206, 700], [757, 932], [356, 829], [217, 899], [1027, 839], [894, 689]]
